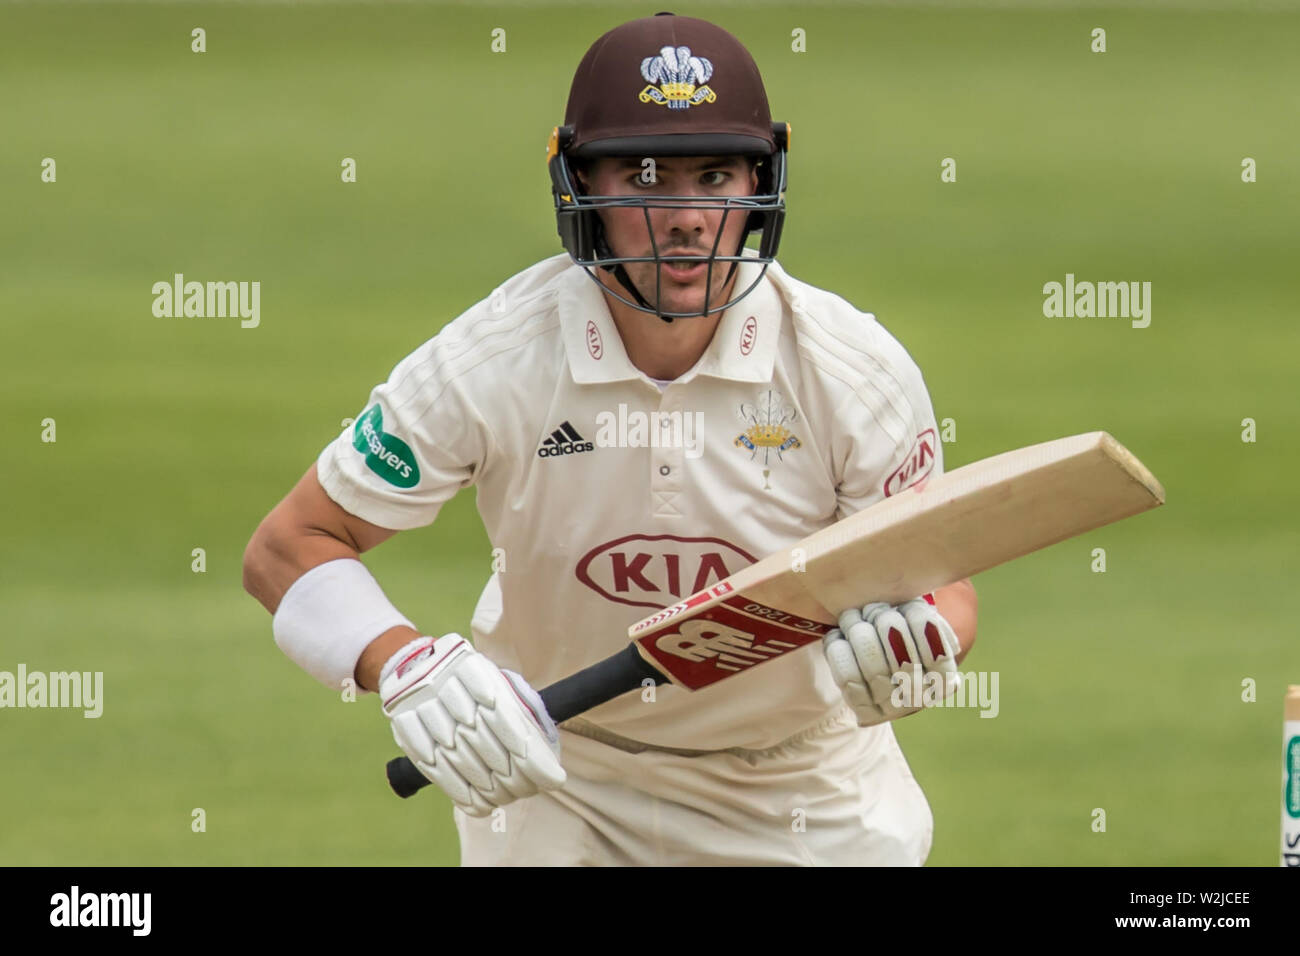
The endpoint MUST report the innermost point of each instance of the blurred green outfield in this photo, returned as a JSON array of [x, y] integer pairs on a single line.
[[1119, 690]]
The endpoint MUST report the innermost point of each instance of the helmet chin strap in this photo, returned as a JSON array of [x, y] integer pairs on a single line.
[[620, 275]]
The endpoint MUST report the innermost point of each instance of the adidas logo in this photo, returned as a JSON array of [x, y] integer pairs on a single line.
[[565, 440]]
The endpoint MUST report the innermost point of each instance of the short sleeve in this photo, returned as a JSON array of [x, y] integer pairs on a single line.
[[887, 437], [417, 442]]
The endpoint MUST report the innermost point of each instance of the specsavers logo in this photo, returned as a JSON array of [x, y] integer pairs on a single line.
[[386, 455], [1292, 800]]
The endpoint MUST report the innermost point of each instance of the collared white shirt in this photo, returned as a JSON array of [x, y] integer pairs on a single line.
[[611, 497]]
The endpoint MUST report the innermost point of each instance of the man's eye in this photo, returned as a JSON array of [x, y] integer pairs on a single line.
[[715, 177]]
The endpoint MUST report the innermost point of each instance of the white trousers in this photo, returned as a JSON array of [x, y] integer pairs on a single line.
[[834, 795]]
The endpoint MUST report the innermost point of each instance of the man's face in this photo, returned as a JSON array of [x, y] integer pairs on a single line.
[[678, 230]]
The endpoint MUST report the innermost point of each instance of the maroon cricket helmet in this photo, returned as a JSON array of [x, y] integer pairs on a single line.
[[667, 86]]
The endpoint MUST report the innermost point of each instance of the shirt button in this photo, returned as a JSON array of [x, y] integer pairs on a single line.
[[664, 470]]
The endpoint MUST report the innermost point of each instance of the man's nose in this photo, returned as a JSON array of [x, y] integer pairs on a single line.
[[685, 216]]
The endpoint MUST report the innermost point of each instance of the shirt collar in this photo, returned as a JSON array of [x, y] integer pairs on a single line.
[[743, 348]]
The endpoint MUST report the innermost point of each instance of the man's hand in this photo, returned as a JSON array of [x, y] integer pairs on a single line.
[[877, 650], [478, 732]]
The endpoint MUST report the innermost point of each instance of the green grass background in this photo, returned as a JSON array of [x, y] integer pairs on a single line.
[[1120, 691]]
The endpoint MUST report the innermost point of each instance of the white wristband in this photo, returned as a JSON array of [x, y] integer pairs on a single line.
[[329, 616], [409, 652]]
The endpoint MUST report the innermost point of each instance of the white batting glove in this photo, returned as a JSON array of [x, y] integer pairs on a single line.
[[880, 657], [477, 731]]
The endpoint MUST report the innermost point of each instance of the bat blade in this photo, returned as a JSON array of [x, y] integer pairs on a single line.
[[927, 536], [933, 534]]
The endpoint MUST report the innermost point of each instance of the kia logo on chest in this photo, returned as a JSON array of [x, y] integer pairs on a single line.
[[654, 570], [594, 344]]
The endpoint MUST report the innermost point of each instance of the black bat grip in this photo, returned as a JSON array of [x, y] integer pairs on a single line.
[[404, 778], [617, 674]]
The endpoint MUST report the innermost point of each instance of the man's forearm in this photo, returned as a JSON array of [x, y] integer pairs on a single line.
[[272, 563], [378, 652], [303, 531], [326, 629], [283, 549], [958, 605]]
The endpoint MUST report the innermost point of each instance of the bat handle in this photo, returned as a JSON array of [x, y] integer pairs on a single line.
[[617, 674], [404, 778]]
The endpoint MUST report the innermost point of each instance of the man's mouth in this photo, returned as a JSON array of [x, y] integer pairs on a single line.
[[685, 271]]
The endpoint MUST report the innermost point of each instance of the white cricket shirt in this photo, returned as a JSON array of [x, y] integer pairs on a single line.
[[613, 498]]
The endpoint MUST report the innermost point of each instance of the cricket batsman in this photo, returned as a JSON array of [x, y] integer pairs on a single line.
[[640, 416]]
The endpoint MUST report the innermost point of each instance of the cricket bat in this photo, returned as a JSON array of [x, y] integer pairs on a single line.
[[934, 533]]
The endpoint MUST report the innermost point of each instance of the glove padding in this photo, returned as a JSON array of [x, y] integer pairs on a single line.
[[477, 731], [875, 650]]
